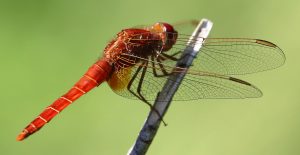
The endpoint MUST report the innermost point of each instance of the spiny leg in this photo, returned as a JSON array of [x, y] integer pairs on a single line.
[[161, 66], [162, 57], [139, 95], [165, 56], [154, 68], [142, 97], [171, 57], [132, 79]]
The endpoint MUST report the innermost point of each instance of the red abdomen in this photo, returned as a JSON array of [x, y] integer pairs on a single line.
[[95, 75]]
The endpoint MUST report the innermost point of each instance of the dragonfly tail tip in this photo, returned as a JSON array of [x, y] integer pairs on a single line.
[[21, 136]]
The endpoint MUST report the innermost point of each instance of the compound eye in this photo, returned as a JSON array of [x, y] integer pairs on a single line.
[[168, 27]]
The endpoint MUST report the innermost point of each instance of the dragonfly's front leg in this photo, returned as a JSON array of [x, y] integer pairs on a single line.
[[162, 69], [165, 56], [160, 59]]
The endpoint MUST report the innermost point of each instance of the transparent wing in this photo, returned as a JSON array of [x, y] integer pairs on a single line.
[[233, 56], [147, 77], [230, 56]]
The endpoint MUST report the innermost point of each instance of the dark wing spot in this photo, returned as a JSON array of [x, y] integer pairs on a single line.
[[266, 43], [239, 81]]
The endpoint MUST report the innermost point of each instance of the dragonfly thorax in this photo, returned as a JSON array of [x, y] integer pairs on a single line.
[[135, 44], [130, 45]]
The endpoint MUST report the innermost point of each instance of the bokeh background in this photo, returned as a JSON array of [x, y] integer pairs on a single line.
[[45, 46]]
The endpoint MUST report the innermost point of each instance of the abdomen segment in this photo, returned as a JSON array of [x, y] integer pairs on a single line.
[[95, 75]]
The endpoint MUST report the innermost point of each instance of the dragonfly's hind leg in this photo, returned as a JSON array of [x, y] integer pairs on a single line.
[[139, 95]]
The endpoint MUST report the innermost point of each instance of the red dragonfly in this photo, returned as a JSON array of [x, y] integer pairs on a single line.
[[138, 62]]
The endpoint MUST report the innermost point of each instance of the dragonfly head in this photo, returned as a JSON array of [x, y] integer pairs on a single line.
[[167, 33]]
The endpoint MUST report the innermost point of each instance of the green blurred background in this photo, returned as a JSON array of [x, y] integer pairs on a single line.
[[46, 46]]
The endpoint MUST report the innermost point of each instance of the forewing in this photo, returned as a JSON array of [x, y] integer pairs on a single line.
[[233, 56]]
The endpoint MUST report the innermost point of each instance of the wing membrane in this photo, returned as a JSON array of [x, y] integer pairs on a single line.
[[196, 84], [234, 56], [207, 78]]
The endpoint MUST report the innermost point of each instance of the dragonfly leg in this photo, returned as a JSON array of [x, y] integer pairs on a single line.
[[131, 81], [171, 57], [153, 67], [160, 59], [165, 73], [139, 95], [142, 97]]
